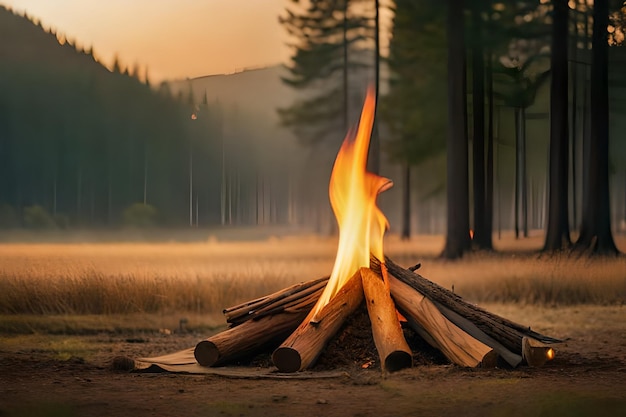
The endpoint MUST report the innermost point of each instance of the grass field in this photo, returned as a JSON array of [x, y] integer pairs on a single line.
[[201, 278]]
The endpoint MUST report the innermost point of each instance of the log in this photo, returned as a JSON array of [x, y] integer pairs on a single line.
[[536, 353], [507, 332], [247, 337], [458, 346], [304, 345], [272, 303], [511, 358], [391, 345]]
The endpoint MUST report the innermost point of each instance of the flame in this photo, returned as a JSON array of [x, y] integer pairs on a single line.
[[550, 354], [353, 192]]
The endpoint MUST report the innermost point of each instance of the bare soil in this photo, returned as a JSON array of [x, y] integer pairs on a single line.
[[62, 375]]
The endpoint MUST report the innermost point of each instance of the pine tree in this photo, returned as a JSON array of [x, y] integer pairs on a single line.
[[324, 33]]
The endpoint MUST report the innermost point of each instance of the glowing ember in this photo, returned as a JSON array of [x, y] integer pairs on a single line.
[[353, 193]]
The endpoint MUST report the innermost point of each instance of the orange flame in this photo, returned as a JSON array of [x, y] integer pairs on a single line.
[[353, 193]]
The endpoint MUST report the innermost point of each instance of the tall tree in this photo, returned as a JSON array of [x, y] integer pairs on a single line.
[[557, 235], [324, 32], [374, 151], [482, 236], [457, 235], [595, 235], [413, 110]]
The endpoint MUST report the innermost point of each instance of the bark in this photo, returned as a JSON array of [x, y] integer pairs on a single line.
[[393, 350], [557, 234], [457, 234]]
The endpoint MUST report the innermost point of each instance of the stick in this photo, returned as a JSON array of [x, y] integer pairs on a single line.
[[250, 309]]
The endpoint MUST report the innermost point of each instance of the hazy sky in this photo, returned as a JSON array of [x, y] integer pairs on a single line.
[[173, 38]]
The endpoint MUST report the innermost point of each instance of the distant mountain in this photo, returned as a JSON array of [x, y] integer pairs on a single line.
[[260, 90], [26, 45], [76, 138]]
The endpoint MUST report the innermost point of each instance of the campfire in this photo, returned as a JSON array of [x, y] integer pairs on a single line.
[[303, 318]]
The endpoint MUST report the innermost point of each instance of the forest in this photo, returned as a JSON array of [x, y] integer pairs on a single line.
[[510, 114]]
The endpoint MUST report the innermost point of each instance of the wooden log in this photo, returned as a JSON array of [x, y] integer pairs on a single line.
[[467, 326], [458, 346], [536, 353], [506, 332], [391, 345], [247, 337], [260, 306], [303, 346]]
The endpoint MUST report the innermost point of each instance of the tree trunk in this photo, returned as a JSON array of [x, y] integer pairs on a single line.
[[345, 67], [521, 186], [374, 151], [406, 203], [478, 141], [457, 235], [557, 234], [596, 235], [490, 159]]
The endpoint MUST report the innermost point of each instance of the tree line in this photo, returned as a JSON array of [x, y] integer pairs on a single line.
[[82, 145], [486, 55]]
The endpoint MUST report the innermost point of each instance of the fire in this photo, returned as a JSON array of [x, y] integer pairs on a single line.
[[353, 191], [550, 354]]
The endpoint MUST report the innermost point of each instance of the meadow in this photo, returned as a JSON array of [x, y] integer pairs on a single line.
[[156, 283]]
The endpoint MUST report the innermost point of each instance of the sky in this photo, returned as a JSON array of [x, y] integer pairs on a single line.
[[173, 39]]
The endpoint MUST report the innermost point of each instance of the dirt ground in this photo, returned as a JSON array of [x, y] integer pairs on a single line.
[[38, 377]]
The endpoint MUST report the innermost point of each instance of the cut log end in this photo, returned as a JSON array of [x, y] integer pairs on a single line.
[[536, 353], [287, 359], [206, 353], [398, 360], [490, 360]]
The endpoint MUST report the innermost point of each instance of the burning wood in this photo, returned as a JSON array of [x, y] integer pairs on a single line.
[[302, 348], [467, 335], [392, 348], [504, 336]]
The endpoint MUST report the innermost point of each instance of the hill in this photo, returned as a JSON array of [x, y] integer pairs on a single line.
[[75, 138]]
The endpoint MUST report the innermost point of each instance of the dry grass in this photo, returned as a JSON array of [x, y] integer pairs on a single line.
[[203, 278]]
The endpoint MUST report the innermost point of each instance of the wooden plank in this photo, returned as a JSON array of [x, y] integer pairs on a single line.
[[391, 345], [304, 345], [458, 346]]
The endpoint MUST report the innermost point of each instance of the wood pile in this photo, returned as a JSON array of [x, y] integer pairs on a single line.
[[466, 334]]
